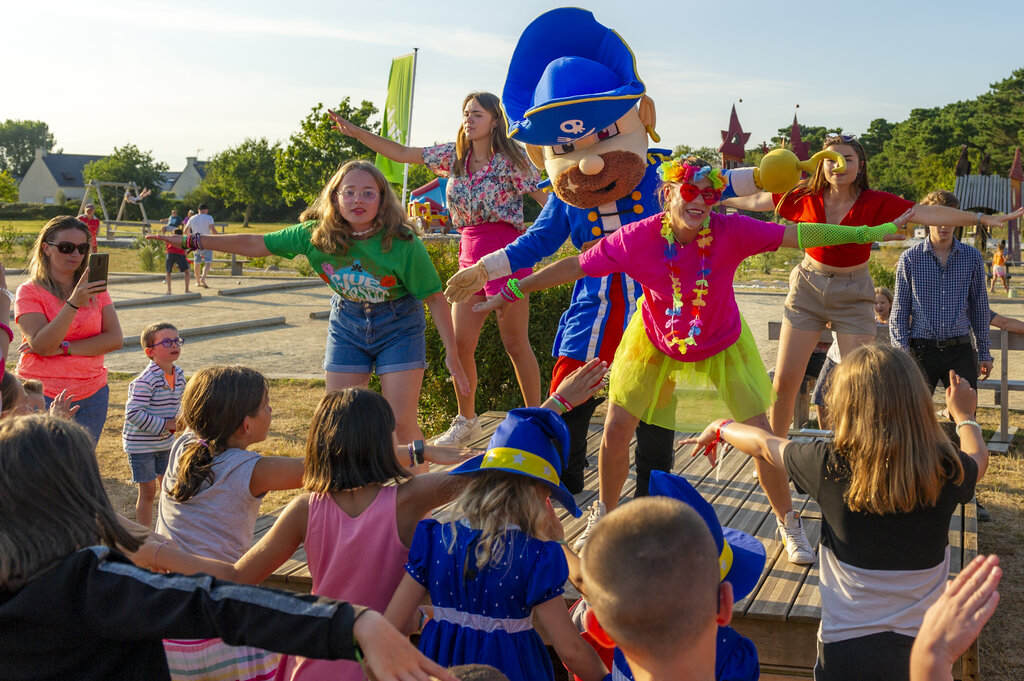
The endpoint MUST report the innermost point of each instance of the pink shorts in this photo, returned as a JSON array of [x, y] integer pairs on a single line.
[[479, 240]]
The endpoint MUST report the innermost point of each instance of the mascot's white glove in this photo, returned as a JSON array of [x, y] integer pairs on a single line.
[[466, 282]]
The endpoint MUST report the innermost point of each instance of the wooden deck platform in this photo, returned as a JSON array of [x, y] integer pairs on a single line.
[[781, 615]]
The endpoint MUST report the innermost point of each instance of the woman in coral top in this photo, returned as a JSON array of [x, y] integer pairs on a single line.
[[68, 323], [833, 284]]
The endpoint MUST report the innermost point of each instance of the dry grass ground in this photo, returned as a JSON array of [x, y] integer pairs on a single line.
[[1002, 491]]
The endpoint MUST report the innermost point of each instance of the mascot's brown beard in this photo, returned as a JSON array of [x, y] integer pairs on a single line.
[[622, 172]]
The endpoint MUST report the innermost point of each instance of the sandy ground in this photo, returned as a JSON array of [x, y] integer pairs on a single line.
[[296, 348]]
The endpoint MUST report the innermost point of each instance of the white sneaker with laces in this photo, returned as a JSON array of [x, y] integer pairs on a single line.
[[795, 540], [597, 511], [461, 432]]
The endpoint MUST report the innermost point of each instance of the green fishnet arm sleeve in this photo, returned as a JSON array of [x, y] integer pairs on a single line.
[[815, 234]]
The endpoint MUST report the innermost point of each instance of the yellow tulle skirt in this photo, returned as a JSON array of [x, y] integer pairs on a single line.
[[686, 396]]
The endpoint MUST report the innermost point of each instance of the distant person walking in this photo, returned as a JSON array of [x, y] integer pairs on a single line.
[[999, 267], [202, 223], [88, 217]]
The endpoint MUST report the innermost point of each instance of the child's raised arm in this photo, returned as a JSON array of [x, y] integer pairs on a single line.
[[276, 472]]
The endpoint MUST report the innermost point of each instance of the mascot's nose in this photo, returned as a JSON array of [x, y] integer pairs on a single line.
[[591, 165]]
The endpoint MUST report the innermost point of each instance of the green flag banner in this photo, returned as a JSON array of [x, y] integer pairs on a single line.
[[396, 113]]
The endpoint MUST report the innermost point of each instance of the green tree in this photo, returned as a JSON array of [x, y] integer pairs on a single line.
[[19, 141], [244, 176], [8, 187], [127, 164], [1000, 121], [709, 154], [315, 152], [879, 132]]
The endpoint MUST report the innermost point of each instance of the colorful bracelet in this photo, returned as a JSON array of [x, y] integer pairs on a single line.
[[718, 432], [562, 401], [968, 423], [194, 242], [513, 285], [412, 459], [10, 334], [184, 243], [507, 294]]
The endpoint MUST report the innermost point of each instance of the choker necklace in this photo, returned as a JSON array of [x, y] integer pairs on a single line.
[[700, 288], [363, 232]]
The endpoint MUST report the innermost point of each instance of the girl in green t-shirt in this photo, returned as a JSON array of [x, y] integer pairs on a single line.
[[357, 240]]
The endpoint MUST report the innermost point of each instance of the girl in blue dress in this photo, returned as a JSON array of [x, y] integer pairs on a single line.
[[490, 569]]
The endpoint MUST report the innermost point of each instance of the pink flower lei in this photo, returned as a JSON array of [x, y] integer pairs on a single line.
[[673, 336]]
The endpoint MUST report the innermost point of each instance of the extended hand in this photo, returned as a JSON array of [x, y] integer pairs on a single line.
[[465, 283], [454, 366], [343, 126], [706, 443], [389, 655], [447, 456], [961, 398], [581, 384], [496, 302], [61, 406]]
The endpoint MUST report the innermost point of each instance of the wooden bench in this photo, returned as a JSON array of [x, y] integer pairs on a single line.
[[802, 408], [782, 613], [1004, 341]]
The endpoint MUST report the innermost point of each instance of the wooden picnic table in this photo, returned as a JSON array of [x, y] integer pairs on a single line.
[[782, 613]]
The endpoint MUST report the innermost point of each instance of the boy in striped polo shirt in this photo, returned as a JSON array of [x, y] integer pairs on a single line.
[[150, 414]]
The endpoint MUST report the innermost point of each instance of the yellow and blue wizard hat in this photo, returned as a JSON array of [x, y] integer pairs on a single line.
[[569, 77], [741, 557], [530, 441]]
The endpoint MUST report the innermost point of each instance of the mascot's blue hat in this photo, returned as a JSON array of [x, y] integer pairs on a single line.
[[569, 77], [741, 556], [533, 442]]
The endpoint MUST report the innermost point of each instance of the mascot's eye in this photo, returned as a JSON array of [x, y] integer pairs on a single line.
[[560, 149], [611, 131]]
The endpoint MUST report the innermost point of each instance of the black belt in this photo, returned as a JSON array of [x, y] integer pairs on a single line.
[[940, 344]]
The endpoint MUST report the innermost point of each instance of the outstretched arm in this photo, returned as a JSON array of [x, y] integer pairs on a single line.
[[750, 440], [249, 245], [393, 150], [811, 235], [944, 216], [757, 202], [561, 272]]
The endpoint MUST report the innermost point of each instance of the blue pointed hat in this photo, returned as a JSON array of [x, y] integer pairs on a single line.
[[533, 442], [741, 556], [569, 77]]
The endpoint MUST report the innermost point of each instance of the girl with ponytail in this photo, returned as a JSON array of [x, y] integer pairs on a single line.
[[212, 492]]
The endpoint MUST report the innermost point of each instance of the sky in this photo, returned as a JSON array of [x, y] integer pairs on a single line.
[[190, 78]]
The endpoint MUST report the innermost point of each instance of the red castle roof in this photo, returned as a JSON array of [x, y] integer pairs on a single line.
[[800, 148], [734, 139]]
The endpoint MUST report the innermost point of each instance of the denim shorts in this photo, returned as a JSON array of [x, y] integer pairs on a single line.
[[92, 411], [146, 467], [383, 337], [202, 255]]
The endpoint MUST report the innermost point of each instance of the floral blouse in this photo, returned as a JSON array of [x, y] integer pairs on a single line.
[[494, 194]]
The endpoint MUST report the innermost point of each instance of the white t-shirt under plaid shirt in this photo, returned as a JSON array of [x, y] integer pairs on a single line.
[[151, 401]]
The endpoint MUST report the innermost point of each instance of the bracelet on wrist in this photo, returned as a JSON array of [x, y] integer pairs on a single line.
[[10, 334], [418, 448], [968, 422], [7, 292], [412, 458], [70, 304], [562, 401], [513, 285], [718, 431]]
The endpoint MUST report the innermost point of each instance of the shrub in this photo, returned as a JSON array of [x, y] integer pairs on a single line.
[[882, 275], [8, 239], [151, 254], [497, 388]]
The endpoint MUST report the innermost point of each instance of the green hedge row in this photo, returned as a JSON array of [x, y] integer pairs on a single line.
[[497, 386], [37, 211]]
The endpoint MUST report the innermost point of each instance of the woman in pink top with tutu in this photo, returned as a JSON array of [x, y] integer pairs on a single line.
[[488, 174]]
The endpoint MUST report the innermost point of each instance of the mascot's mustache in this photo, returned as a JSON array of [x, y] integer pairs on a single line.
[[622, 172]]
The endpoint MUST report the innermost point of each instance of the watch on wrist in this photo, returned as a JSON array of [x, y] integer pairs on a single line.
[[65, 347], [417, 448]]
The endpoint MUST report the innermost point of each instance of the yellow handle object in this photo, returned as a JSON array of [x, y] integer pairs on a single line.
[[779, 170]]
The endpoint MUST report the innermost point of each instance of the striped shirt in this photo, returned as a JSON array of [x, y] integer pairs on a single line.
[[150, 403], [933, 302]]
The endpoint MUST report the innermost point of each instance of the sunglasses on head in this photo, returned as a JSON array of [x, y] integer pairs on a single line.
[[832, 136], [690, 191], [169, 342], [66, 247]]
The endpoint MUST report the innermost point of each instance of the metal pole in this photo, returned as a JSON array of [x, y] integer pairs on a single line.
[[408, 134]]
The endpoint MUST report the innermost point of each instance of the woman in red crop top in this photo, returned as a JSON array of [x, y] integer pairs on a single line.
[[832, 284]]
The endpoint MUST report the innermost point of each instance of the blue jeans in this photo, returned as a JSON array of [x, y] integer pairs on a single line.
[[92, 411], [383, 337]]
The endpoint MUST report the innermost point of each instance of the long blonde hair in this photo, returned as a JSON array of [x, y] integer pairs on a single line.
[[500, 143], [332, 232], [886, 433], [494, 501], [39, 265]]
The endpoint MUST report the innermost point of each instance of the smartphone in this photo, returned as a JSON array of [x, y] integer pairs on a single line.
[[99, 263]]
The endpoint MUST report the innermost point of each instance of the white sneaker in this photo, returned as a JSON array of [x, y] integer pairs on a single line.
[[597, 511], [461, 432], [795, 540]]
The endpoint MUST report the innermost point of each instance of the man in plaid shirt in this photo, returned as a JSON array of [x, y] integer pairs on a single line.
[[940, 298]]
